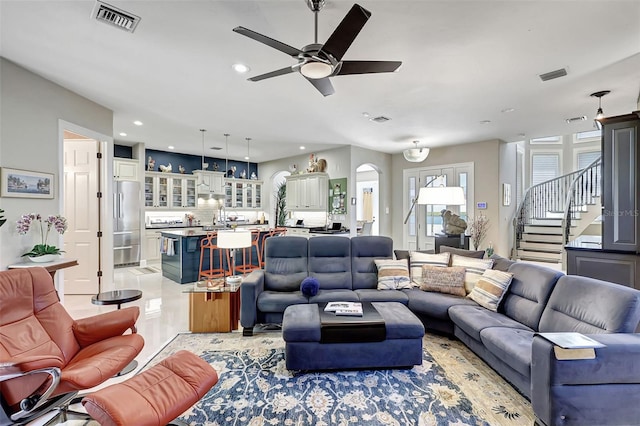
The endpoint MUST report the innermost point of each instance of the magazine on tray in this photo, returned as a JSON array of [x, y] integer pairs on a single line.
[[344, 308]]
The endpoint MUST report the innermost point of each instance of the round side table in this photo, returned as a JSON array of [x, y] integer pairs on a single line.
[[118, 297]]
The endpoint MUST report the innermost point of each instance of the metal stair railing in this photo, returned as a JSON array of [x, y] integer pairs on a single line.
[[586, 186], [552, 196]]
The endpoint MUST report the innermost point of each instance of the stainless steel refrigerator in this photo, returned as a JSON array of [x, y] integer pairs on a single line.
[[126, 223]]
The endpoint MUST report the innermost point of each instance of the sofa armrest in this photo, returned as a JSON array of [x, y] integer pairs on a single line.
[[587, 391], [110, 324], [252, 286]]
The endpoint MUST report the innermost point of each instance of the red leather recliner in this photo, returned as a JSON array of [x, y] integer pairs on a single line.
[[46, 357]]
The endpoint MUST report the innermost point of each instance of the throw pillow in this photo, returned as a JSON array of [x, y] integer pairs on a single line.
[[404, 254], [449, 280], [392, 274], [478, 254], [309, 286], [474, 269], [501, 263], [491, 288], [418, 260]]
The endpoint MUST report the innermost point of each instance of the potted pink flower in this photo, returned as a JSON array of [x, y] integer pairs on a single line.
[[42, 252]]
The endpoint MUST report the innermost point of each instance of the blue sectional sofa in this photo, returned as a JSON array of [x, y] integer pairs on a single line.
[[577, 392]]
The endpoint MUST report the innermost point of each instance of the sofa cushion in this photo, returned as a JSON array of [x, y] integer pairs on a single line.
[[501, 263], [473, 319], [277, 301], [334, 295], [587, 305], [476, 254], [364, 249], [449, 280], [286, 263], [368, 295], [490, 288], [435, 305], [511, 345], [528, 292], [392, 274], [418, 260], [474, 269], [330, 261]]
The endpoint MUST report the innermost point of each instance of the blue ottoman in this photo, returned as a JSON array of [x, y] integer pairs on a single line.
[[402, 346]]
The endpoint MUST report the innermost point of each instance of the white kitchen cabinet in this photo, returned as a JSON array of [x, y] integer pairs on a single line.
[[243, 194], [209, 183], [152, 244], [125, 169], [308, 191], [169, 191]]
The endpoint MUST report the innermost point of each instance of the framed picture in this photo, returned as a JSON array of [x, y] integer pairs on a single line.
[[26, 184]]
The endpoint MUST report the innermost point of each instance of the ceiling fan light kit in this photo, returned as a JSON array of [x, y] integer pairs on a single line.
[[318, 62], [416, 155]]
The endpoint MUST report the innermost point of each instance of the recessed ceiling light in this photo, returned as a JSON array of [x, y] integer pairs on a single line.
[[138, 123], [246, 158], [240, 68], [171, 147], [485, 122], [365, 114], [302, 147], [508, 110], [123, 134]]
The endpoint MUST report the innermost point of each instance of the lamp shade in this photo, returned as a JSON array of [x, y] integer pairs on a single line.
[[234, 239], [416, 155], [442, 195]]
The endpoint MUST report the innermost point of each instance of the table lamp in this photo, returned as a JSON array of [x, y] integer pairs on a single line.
[[232, 240]]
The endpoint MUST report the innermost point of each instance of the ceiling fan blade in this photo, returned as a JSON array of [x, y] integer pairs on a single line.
[[285, 48], [275, 73], [323, 85], [346, 32], [368, 67]]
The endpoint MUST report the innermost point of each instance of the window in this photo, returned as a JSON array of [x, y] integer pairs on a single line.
[[583, 159], [590, 136], [544, 166], [546, 140], [412, 196]]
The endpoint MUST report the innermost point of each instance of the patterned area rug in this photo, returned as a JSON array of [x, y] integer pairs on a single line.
[[451, 387], [145, 270]]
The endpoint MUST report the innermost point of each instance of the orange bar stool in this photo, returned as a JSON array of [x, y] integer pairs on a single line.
[[266, 235], [210, 243], [248, 267]]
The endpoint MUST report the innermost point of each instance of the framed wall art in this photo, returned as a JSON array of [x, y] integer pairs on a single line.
[[26, 184]]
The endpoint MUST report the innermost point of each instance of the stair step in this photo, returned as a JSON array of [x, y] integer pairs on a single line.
[[542, 238], [539, 256], [541, 247], [538, 229], [546, 222]]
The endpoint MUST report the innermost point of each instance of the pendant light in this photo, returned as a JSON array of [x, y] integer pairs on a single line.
[[226, 160], [416, 155], [247, 157], [599, 112], [203, 165]]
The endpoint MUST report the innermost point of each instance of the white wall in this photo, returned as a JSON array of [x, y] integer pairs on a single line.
[[30, 110]]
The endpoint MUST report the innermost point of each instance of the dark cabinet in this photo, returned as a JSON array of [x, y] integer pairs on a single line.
[[621, 184]]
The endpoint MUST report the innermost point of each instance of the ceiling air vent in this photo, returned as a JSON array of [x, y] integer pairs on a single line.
[[117, 17], [553, 74], [215, 148], [380, 119]]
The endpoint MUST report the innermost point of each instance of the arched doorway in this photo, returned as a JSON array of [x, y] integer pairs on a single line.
[[368, 199], [278, 179]]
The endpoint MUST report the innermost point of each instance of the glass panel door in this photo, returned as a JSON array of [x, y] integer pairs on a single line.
[[163, 192], [176, 192], [148, 191]]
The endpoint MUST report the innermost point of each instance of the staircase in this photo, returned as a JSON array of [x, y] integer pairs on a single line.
[[553, 212]]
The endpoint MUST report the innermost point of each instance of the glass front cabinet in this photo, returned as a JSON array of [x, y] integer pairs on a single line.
[[164, 191], [243, 194]]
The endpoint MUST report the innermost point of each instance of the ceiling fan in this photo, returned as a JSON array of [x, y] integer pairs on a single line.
[[317, 62]]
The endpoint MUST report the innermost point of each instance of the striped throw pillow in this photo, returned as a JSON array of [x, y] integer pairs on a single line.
[[392, 274], [491, 288], [418, 260], [474, 269]]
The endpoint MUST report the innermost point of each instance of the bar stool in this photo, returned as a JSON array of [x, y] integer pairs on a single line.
[[248, 267], [210, 243], [266, 235]]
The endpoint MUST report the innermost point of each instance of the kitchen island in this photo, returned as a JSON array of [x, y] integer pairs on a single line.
[[181, 254]]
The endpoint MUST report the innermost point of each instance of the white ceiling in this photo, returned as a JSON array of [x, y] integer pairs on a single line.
[[463, 62]]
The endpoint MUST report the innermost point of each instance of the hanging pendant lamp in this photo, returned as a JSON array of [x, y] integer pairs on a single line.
[[247, 157], [416, 155], [599, 112], [204, 165]]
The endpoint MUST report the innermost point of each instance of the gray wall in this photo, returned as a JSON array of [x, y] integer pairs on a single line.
[[30, 107]]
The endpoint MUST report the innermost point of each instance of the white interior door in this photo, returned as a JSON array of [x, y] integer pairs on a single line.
[[81, 210]]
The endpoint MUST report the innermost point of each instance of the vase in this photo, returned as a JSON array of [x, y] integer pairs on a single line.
[[44, 258]]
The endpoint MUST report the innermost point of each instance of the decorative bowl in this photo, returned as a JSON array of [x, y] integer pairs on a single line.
[[44, 258]]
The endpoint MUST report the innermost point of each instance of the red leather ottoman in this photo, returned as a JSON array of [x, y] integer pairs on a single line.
[[156, 396]]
